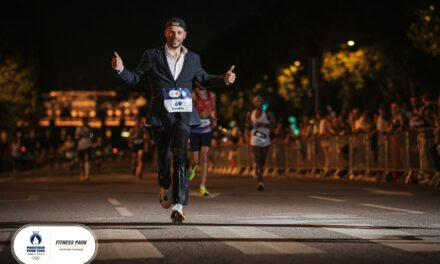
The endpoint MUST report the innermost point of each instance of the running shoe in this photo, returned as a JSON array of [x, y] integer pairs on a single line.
[[177, 217], [260, 187], [166, 197], [203, 191], [193, 172]]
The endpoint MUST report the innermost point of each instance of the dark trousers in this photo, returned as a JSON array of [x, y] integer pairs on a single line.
[[173, 139], [260, 154]]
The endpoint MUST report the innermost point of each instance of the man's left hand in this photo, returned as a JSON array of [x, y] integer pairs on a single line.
[[230, 76]]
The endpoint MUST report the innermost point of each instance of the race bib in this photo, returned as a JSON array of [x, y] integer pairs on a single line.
[[259, 138], [177, 100], [204, 122]]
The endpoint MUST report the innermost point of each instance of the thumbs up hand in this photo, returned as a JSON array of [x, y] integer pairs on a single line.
[[230, 76], [117, 63]]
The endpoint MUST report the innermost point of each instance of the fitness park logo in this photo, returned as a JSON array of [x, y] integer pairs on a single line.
[[72, 244]]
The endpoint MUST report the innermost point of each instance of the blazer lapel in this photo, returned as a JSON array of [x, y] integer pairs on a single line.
[[164, 63], [185, 62]]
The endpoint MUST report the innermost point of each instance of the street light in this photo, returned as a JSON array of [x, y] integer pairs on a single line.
[[351, 43]]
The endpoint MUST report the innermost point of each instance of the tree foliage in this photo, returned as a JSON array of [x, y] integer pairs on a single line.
[[425, 31], [294, 85], [18, 99], [351, 70]]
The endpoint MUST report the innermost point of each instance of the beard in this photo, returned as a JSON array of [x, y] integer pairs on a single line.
[[175, 44]]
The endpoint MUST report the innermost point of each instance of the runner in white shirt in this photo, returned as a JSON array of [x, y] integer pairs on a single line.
[[260, 122]]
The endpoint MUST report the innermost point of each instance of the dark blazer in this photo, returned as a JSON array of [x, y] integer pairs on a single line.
[[155, 67]]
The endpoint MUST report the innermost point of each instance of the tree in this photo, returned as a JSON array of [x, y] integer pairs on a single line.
[[294, 86], [425, 31], [18, 99], [351, 70]]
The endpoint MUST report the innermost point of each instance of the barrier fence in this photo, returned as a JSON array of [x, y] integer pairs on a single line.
[[402, 156]]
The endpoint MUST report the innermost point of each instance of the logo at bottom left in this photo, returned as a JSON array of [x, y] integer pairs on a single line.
[[47, 244]]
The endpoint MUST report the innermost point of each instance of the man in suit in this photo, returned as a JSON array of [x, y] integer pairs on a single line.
[[171, 70]]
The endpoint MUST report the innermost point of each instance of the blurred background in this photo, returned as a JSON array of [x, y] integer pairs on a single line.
[[309, 59]]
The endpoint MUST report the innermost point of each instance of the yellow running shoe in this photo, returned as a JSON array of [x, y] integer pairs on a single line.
[[203, 191], [193, 172]]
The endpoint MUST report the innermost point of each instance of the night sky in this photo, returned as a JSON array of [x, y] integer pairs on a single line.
[[72, 42], [75, 40]]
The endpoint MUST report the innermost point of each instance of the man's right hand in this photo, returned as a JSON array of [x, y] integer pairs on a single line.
[[117, 62]]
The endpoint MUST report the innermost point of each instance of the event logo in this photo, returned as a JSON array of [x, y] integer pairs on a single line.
[[55, 244], [35, 250], [174, 93], [36, 239]]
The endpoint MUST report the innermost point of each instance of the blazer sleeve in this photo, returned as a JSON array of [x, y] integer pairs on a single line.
[[134, 77], [206, 79]]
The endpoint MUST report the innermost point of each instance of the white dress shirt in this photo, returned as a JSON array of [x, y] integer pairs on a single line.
[[175, 65]]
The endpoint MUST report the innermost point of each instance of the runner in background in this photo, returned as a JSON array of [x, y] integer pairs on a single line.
[[69, 152], [200, 137], [260, 122], [84, 137], [137, 141], [98, 153]]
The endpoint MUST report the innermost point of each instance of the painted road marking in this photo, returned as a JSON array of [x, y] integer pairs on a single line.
[[331, 216], [311, 216], [256, 247], [303, 218], [114, 201], [101, 218], [139, 249], [123, 211], [393, 208], [379, 191], [297, 222], [326, 199], [392, 238]]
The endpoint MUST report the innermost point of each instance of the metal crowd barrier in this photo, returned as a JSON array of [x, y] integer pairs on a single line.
[[402, 156]]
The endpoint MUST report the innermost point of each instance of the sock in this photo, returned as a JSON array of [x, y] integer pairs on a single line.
[[178, 207]]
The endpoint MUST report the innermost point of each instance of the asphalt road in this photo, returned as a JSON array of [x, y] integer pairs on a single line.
[[292, 221]]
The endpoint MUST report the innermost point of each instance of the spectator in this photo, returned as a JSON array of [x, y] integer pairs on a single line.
[[383, 123], [324, 133], [427, 111], [415, 119], [397, 118]]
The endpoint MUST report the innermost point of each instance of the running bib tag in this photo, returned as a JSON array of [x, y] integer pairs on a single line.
[[204, 122], [177, 100], [259, 138]]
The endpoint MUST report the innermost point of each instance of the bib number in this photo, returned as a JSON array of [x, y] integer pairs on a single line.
[[259, 138], [177, 100], [204, 122]]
